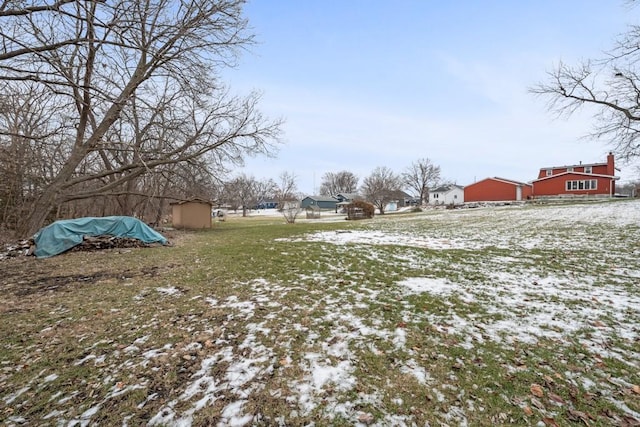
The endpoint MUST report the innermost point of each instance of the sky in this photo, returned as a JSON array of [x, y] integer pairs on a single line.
[[368, 83]]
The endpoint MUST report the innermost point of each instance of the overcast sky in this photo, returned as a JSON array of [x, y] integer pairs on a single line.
[[367, 83]]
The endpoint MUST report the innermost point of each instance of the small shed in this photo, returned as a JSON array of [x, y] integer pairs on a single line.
[[193, 214], [313, 211]]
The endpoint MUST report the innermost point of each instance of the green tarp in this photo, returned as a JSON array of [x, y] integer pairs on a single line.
[[65, 234]]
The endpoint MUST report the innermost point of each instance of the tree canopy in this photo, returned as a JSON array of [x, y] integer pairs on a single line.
[[110, 100], [610, 85], [381, 187]]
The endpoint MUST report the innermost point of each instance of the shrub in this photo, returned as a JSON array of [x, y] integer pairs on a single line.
[[360, 210]]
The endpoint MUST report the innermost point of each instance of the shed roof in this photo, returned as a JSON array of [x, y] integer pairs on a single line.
[[194, 200]]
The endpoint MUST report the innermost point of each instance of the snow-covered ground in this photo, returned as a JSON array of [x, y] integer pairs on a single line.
[[568, 275], [524, 303]]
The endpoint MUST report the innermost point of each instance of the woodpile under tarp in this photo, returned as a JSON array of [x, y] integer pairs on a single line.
[[64, 234], [86, 234]]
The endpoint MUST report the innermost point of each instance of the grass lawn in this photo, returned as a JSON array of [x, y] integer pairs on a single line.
[[512, 315]]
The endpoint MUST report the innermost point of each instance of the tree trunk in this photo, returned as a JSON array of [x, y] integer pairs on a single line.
[[40, 211]]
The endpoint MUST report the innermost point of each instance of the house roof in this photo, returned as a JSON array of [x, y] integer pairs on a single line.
[[447, 188], [322, 198], [509, 181], [401, 194], [348, 196], [581, 165], [505, 180], [597, 175]]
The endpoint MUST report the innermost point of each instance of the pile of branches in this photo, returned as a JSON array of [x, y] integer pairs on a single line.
[[21, 248], [89, 243], [97, 243]]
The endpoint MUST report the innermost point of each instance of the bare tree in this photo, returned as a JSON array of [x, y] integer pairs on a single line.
[[381, 187], [610, 85], [338, 182], [285, 190], [290, 210], [243, 192], [265, 189], [131, 87], [421, 176]]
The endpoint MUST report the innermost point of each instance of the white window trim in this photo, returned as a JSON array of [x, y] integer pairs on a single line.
[[581, 185]]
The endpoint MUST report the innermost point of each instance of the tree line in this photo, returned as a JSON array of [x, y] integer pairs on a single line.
[[379, 188]]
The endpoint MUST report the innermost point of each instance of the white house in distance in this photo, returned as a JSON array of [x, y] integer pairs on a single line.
[[451, 194]]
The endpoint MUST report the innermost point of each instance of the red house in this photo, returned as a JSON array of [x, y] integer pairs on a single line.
[[581, 179], [497, 190]]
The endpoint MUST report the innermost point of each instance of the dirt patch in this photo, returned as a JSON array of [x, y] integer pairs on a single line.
[[60, 283], [19, 282]]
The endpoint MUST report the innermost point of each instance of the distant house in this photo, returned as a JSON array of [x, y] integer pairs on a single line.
[[267, 204], [322, 202], [497, 190], [402, 199], [193, 214], [582, 179], [447, 195]]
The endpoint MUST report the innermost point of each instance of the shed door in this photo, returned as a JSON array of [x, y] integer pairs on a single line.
[[519, 192]]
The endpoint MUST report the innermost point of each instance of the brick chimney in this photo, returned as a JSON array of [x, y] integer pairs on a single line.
[[610, 165], [611, 171]]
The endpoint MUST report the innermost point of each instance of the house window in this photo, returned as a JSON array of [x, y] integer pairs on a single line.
[[587, 169], [569, 169], [549, 172], [455, 196], [589, 184]]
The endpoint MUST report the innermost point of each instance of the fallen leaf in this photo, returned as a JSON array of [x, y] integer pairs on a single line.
[[629, 421], [528, 411], [284, 362], [576, 415], [535, 402], [556, 398], [550, 422], [119, 385], [365, 418], [536, 390], [636, 389], [401, 325]]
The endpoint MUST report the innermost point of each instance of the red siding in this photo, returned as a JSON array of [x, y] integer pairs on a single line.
[[492, 190], [555, 186]]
